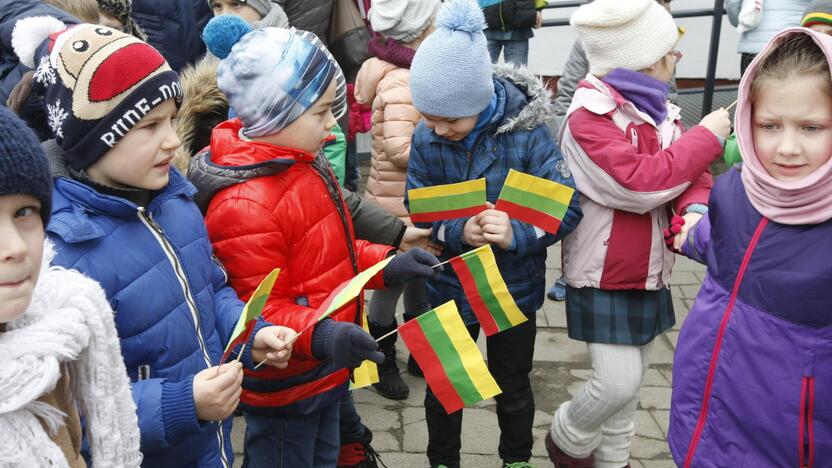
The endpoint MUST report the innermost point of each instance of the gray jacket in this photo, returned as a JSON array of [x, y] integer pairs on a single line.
[[575, 70], [309, 15]]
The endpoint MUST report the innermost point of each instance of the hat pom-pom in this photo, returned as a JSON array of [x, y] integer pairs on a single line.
[[222, 32], [461, 15], [29, 33]]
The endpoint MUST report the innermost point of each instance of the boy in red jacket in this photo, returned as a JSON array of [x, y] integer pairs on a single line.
[[277, 204]]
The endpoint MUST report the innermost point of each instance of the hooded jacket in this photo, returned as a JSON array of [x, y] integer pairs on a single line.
[[632, 173], [173, 310], [387, 88], [515, 138], [271, 207], [755, 349]]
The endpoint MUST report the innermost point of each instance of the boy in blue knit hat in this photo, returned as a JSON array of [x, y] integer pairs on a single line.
[[122, 216], [481, 122]]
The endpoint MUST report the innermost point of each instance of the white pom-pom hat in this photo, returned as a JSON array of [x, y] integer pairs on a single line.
[[631, 34], [29, 33]]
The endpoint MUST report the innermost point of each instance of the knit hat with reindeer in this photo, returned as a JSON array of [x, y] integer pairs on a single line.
[[96, 83]]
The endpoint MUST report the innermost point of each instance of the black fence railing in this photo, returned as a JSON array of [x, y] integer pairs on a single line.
[[713, 49]]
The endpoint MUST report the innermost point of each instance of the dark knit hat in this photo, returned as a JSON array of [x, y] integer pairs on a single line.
[[96, 83], [23, 165], [817, 12], [122, 10]]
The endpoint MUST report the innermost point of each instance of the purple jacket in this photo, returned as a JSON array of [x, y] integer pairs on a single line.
[[752, 382]]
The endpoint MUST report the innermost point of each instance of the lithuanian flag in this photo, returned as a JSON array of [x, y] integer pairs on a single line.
[[533, 200], [450, 359], [448, 201], [248, 317], [350, 289], [486, 291]]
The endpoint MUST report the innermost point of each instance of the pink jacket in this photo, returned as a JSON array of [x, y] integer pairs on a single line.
[[632, 175], [387, 88]]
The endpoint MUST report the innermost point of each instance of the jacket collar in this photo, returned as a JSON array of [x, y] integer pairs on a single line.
[[599, 98], [230, 150]]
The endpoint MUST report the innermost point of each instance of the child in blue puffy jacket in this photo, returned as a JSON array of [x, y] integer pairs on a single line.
[[122, 216]]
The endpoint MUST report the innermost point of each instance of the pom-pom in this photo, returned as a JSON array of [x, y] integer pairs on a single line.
[[29, 33], [461, 15], [222, 32]]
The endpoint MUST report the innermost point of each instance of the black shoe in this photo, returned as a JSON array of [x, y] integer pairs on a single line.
[[390, 384]]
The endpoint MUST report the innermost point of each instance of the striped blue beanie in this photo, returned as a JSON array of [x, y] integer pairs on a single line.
[[451, 73]]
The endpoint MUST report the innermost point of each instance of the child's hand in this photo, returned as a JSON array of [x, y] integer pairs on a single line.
[[270, 344], [718, 122], [217, 395], [690, 222], [496, 227], [416, 237], [472, 232]]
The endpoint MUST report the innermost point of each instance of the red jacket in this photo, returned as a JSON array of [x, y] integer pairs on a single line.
[[283, 209]]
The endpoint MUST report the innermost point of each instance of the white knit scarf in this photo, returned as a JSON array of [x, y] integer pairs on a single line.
[[68, 321]]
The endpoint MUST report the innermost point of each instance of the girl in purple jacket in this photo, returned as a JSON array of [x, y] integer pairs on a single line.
[[752, 380]]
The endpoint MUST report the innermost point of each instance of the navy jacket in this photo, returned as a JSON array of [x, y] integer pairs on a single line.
[[174, 27]]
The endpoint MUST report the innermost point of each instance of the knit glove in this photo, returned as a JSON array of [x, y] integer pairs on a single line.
[[344, 343], [411, 264], [676, 224]]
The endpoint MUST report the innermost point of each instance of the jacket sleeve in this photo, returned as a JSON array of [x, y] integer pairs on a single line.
[[227, 306], [448, 232], [613, 173], [698, 241], [251, 246], [372, 222], [574, 71], [547, 163], [698, 192], [400, 119], [368, 255], [166, 412]]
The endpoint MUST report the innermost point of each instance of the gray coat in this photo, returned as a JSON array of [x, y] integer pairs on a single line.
[[309, 15]]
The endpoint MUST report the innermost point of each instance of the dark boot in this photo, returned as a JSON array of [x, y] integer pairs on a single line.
[[413, 366], [390, 384], [562, 460]]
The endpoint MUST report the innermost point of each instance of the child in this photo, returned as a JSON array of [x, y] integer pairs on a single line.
[[118, 14], [59, 351], [479, 124], [258, 13], [751, 374], [124, 218], [275, 203], [633, 167], [818, 17], [386, 87]]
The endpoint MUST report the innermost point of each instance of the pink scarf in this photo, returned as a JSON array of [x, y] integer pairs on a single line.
[[806, 201]]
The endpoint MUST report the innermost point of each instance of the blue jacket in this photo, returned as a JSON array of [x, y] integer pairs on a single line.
[[517, 138], [132, 252], [777, 15], [174, 27], [11, 70]]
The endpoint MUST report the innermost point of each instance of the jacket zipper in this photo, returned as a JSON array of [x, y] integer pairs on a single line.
[[706, 398], [805, 429], [179, 272]]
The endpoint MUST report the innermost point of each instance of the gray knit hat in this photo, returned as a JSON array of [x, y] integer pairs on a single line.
[[260, 6], [451, 73], [402, 20]]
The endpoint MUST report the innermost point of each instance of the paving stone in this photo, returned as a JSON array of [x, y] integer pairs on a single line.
[[539, 447], [655, 398], [646, 426], [668, 374], [648, 448], [661, 352], [583, 374], [654, 378], [542, 419], [555, 312], [404, 460], [673, 337], [685, 264], [479, 431], [689, 291], [684, 277], [556, 346], [662, 418], [369, 396], [385, 442], [667, 463], [415, 437], [412, 415], [378, 419]]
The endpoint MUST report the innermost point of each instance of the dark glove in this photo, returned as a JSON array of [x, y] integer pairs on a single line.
[[344, 343], [412, 264], [675, 227]]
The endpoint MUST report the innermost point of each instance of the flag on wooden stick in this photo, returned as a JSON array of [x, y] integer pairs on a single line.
[[453, 366], [248, 317], [350, 289], [534, 200], [448, 201], [486, 291], [367, 373]]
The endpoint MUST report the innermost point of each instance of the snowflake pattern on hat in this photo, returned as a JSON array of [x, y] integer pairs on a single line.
[[55, 117], [45, 74]]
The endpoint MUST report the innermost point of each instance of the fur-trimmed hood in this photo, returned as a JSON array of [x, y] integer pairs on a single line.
[[537, 109], [203, 107]]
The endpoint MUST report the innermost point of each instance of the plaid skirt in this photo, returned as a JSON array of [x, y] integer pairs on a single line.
[[631, 317]]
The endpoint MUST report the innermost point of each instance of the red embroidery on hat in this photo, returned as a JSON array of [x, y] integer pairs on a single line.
[[122, 70]]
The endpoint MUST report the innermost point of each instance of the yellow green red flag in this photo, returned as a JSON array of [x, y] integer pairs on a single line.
[[486, 291], [452, 363], [350, 289], [449, 201], [252, 310], [367, 373], [534, 200]]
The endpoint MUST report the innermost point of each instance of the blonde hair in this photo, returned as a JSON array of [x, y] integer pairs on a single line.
[[797, 56], [84, 10]]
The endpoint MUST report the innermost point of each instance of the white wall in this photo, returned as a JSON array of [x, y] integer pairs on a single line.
[[550, 47]]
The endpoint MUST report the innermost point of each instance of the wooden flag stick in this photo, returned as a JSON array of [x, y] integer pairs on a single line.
[[239, 356], [387, 334], [288, 343], [732, 104], [440, 264]]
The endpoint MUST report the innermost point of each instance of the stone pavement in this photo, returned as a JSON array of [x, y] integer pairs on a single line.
[[561, 366]]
